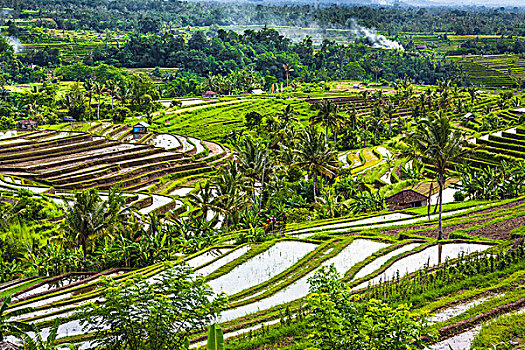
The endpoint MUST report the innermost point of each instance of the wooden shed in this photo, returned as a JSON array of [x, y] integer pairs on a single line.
[[406, 199], [26, 124], [140, 129]]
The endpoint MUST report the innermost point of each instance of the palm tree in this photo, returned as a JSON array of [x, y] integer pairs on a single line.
[[315, 155], [124, 93], [389, 110], [204, 199], [472, 91], [89, 86], [287, 70], [112, 88], [376, 71], [328, 116], [230, 184], [435, 142], [8, 327], [287, 114], [86, 218], [99, 89], [254, 162]]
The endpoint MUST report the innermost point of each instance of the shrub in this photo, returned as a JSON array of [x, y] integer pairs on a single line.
[[459, 196], [299, 215]]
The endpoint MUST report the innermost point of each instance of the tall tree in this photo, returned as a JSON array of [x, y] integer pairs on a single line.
[[89, 85], [315, 155], [99, 89], [287, 70], [328, 116], [437, 143], [86, 218]]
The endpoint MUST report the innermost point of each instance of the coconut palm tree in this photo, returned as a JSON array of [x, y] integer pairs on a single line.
[[328, 116], [287, 114], [112, 88], [473, 92], [435, 142], [204, 199], [10, 327], [287, 70], [124, 93], [315, 155], [389, 110], [86, 218], [99, 89], [231, 185], [376, 71], [254, 162], [89, 86]]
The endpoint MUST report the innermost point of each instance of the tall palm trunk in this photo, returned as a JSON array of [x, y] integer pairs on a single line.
[[89, 103], [98, 106], [440, 182], [314, 176], [83, 243]]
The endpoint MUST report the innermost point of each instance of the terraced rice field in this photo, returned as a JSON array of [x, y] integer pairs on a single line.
[[254, 295], [76, 161], [493, 71]]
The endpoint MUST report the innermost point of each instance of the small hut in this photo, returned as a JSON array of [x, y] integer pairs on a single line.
[[406, 199], [210, 94], [469, 117], [140, 129], [26, 124]]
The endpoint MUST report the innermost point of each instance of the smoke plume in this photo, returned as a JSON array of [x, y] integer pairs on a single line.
[[377, 40], [15, 43]]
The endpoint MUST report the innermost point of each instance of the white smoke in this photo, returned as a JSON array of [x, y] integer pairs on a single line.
[[377, 40], [15, 43]]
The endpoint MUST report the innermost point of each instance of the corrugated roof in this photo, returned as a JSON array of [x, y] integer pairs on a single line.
[[143, 124]]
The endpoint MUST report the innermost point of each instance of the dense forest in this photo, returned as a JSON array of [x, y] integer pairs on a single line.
[[151, 16], [266, 51]]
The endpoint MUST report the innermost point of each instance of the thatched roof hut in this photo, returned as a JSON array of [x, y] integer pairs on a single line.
[[406, 199]]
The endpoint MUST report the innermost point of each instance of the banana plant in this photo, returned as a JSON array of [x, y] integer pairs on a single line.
[[215, 338]]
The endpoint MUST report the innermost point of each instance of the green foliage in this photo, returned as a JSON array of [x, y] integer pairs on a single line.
[[339, 320], [215, 338], [50, 343], [153, 315], [506, 180], [503, 333], [10, 327]]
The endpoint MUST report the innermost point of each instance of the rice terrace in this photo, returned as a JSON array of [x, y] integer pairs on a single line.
[[261, 175]]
